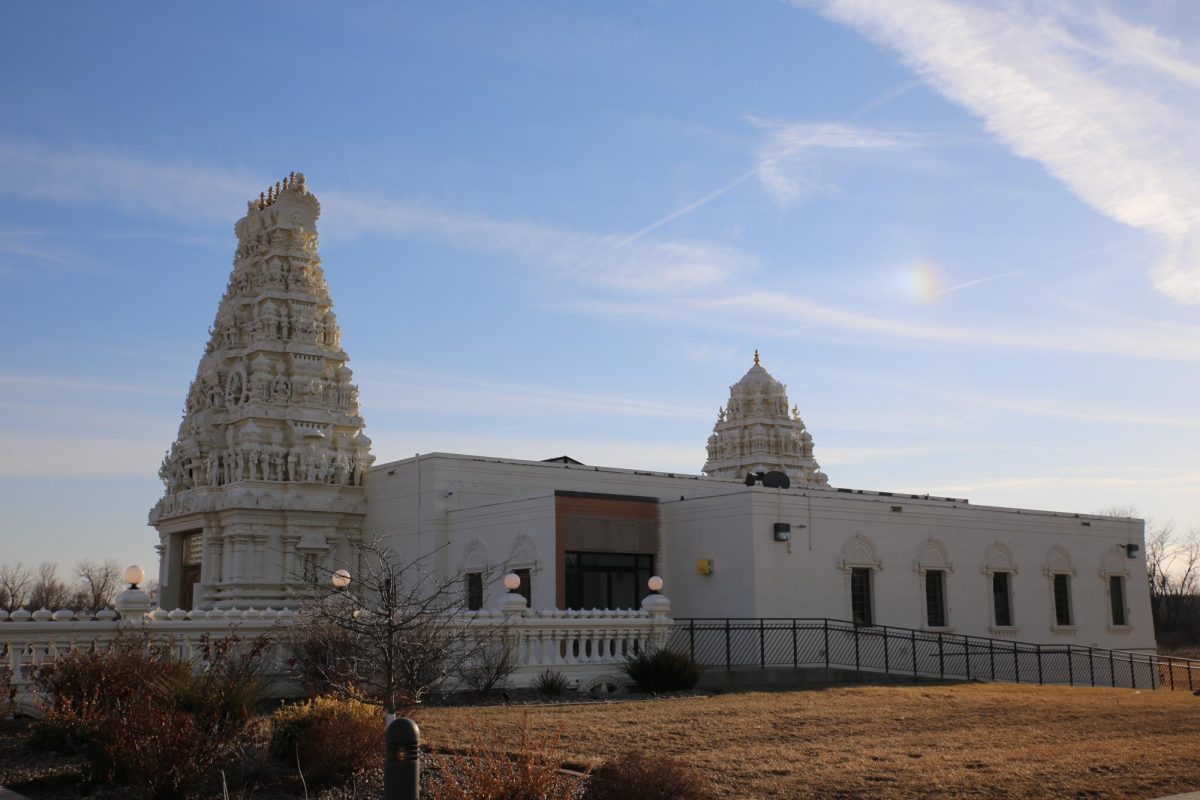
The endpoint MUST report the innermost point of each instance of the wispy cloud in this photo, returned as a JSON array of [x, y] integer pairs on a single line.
[[1188, 482], [786, 164], [135, 184], [1081, 93], [606, 261], [409, 390], [89, 176]]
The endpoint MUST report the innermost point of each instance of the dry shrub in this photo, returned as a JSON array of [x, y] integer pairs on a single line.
[[331, 738], [8, 692], [147, 720], [662, 670], [551, 683], [637, 776], [532, 771]]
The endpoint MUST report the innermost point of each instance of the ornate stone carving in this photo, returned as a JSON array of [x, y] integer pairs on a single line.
[[1058, 561], [859, 551], [998, 558], [932, 555], [757, 433], [271, 421]]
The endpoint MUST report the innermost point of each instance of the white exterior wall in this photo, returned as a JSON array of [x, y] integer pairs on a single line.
[[504, 506], [506, 535], [804, 576]]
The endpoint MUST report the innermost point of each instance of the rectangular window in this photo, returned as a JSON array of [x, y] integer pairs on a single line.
[[1062, 599], [935, 598], [474, 591], [526, 588], [607, 580], [860, 596], [1116, 595], [1002, 598]]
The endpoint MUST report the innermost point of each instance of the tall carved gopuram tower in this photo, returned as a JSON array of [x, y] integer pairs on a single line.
[[757, 433], [264, 480]]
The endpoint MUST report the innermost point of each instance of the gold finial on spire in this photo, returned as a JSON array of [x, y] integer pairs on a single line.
[[262, 200], [756, 356]]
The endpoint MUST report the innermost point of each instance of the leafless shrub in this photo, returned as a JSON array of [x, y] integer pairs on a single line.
[[529, 771], [637, 776], [393, 636]]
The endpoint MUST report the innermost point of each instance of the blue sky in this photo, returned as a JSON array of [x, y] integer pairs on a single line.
[[967, 239]]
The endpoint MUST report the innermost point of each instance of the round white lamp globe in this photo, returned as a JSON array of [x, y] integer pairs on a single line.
[[341, 578], [134, 575], [512, 581], [655, 584]]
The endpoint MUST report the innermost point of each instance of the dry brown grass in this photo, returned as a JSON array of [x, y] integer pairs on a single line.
[[972, 740]]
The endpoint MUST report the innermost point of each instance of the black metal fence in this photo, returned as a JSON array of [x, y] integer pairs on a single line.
[[763, 643]]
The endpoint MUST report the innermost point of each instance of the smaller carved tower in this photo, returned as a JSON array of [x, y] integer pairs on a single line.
[[757, 433]]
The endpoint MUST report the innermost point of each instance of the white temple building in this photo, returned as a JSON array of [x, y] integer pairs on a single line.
[[271, 479]]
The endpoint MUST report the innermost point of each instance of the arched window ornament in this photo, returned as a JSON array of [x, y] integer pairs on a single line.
[[932, 555], [524, 553], [859, 551], [998, 558], [475, 557], [1115, 562], [1058, 562]]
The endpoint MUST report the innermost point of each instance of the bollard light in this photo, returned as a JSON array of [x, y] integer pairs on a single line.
[[134, 575], [402, 769], [512, 581], [340, 579], [655, 584]]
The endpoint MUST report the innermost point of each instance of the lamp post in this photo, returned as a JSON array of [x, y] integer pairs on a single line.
[[133, 602], [340, 579]]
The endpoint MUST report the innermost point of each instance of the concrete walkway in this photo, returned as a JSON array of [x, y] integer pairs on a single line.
[[8, 794]]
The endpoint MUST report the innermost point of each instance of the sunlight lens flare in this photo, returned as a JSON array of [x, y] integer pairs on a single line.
[[923, 282]]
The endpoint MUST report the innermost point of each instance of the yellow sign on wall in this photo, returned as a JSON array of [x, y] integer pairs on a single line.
[[704, 566]]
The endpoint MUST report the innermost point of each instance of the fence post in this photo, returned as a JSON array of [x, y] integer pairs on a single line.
[[795, 651], [856, 661], [762, 644], [1170, 671], [1112, 670], [1039, 658], [1070, 665], [692, 637], [967, 655], [1016, 662], [826, 622], [1091, 666], [941, 658], [992, 657], [887, 664], [728, 655], [1132, 672], [1189, 671], [913, 634], [402, 770]]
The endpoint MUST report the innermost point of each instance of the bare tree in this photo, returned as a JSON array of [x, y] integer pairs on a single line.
[[98, 582], [15, 583], [47, 589], [394, 634], [1173, 568]]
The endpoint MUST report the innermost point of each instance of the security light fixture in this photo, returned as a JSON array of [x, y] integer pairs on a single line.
[[340, 579]]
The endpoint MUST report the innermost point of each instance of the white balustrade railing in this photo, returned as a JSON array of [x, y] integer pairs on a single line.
[[588, 647]]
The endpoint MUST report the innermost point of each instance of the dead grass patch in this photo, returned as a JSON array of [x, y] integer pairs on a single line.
[[961, 741]]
